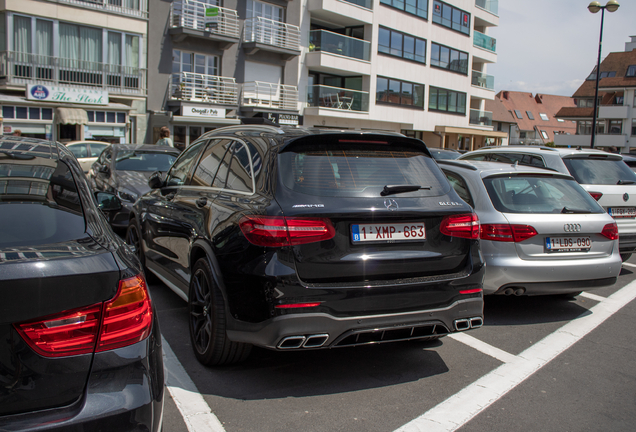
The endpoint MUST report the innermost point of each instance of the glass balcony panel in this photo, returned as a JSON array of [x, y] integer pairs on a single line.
[[491, 6], [337, 98], [270, 32], [334, 43], [190, 86], [484, 41], [191, 14], [269, 95], [482, 80], [481, 118]]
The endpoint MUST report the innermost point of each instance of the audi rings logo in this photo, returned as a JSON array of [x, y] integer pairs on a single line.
[[391, 204], [572, 227]]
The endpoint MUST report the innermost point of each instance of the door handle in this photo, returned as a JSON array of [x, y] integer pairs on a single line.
[[201, 202]]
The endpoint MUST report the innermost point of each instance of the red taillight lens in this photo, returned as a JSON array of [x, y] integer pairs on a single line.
[[462, 225], [277, 231], [122, 321], [596, 195], [610, 231], [296, 305], [506, 232], [127, 317], [68, 333]]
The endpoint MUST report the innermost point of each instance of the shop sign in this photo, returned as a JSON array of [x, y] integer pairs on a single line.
[[200, 111], [53, 93], [285, 119]]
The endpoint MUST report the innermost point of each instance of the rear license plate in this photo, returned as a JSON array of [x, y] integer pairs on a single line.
[[568, 244], [388, 233], [622, 212]]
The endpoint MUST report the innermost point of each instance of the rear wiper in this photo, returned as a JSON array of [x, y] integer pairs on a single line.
[[569, 210], [395, 189], [622, 182]]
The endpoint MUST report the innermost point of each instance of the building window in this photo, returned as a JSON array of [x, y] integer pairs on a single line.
[[264, 10], [401, 45], [449, 58], [544, 134], [414, 7], [451, 101], [584, 127], [396, 92], [615, 127], [197, 63], [631, 71], [522, 134], [530, 116], [451, 17], [543, 116], [518, 114], [106, 116], [633, 127], [30, 113]]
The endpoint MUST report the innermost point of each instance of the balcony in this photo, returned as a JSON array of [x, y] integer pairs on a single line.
[[335, 43], [138, 8], [484, 41], [345, 13], [613, 112], [265, 34], [600, 140], [337, 98], [195, 87], [22, 68], [482, 80], [480, 118], [187, 18], [491, 6], [259, 94]]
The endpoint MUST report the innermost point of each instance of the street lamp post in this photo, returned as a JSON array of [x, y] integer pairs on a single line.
[[594, 7]]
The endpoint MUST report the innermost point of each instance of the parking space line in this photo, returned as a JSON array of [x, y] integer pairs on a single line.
[[629, 264], [460, 408], [483, 347], [196, 412], [591, 296]]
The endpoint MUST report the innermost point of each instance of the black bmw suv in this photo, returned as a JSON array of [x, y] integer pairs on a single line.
[[293, 238]]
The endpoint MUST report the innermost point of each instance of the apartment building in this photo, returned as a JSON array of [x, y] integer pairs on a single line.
[[616, 115], [74, 69], [418, 67]]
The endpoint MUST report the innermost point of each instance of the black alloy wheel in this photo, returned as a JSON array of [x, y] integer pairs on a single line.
[[207, 321]]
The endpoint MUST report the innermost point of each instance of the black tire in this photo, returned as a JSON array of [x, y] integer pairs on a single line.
[[133, 239], [625, 256], [207, 321]]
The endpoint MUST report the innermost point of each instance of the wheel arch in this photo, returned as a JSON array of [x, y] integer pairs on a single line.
[[202, 249]]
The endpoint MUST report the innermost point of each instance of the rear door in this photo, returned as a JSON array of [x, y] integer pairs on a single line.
[[387, 230]]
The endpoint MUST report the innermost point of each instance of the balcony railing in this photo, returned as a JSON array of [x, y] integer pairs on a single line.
[[337, 98], [136, 8], [196, 87], [335, 43], [270, 32], [191, 14], [23, 68], [482, 80], [484, 41], [491, 6], [269, 95], [481, 118]]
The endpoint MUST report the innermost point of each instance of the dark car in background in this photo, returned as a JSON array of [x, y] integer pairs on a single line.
[[295, 239], [80, 347], [124, 169]]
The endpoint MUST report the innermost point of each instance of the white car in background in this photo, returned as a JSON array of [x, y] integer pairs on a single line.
[[86, 152]]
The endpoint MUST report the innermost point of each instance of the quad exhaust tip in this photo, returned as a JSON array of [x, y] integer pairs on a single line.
[[296, 342], [468, 323]]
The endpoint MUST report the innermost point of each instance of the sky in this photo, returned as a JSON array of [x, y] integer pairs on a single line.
[[550, 47]]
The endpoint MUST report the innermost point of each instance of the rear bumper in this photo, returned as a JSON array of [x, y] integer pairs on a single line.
[[361, 329], [627, 243], [124, 393]]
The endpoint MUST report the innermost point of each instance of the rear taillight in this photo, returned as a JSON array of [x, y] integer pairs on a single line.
[[122, 321], [296, 305], [277, 231], [127, 317], [506, 232], [610, 231], [596, 195], [464, 225]]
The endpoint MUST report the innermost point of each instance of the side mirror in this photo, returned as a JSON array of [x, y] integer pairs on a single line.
[[155, 181], [104, 169], [107, 201]]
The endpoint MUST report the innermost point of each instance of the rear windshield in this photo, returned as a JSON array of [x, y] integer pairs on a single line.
[[143, 161], [359, 169], [534, 194], [600, 171], [38, 205]]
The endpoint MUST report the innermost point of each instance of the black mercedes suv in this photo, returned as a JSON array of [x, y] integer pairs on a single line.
[[295, 238]]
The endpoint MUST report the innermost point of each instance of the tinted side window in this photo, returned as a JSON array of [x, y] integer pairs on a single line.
[[179, 172], [240, 175], [459, 184], [209, 163]]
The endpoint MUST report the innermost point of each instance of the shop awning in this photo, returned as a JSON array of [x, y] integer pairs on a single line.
[[71, 116]]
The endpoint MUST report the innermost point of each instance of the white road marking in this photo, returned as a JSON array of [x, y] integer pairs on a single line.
[[629, 264], [196, 413], [591, 296], [460, 408], [483, 347]]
